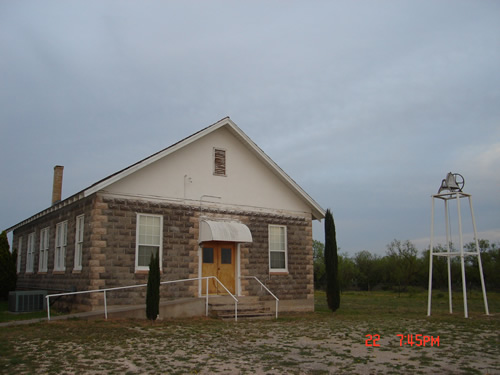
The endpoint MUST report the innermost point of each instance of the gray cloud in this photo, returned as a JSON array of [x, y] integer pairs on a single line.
[[366, 105]]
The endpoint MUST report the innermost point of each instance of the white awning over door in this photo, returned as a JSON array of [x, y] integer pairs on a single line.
[[230, 231]]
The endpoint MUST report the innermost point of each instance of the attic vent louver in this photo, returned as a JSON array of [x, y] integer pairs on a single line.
[[219, 162]]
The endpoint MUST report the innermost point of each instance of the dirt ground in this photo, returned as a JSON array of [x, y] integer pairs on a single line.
[[290, 345]]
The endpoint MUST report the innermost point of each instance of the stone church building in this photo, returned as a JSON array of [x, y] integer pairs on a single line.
[[213, 204]]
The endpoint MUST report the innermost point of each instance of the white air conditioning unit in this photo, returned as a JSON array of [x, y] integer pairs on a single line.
[[25, 301]]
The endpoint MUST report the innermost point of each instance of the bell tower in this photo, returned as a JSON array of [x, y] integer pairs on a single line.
[[449, 191]]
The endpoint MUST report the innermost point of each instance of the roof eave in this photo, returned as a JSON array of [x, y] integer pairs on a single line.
[[151, 159], [318, 212], [48, 210]]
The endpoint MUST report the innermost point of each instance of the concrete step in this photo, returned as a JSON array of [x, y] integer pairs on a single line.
[[221, 299], [248, 308], [241, 306], [248, 316]]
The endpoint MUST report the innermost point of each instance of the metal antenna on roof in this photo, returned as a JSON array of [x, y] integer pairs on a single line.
[[187, 180], [453, 184]]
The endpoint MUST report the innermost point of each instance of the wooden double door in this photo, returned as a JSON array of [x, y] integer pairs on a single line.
[[219, 260]]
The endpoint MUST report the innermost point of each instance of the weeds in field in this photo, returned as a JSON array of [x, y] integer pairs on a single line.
[[297, 343]]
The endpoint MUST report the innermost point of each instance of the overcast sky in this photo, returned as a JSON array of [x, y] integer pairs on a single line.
[[365, 104]]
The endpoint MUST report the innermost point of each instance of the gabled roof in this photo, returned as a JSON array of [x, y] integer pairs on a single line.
[[317, 212]]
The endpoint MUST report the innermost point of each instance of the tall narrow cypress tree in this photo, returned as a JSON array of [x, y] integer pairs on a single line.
[[153, 289], [331, 263], [8, 275]]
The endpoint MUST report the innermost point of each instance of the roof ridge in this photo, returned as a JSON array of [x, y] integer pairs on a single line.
[[122, 173], [154, 154], [82, 192]]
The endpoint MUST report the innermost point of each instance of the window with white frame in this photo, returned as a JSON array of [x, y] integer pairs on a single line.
[[61, 242], [44, 250], [149, 240], [79, 242], [19, 249], [277, 249], [30, 252]]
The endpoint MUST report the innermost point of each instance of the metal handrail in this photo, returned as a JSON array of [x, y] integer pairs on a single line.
[[231, 294], [143, 285], [266, 288]]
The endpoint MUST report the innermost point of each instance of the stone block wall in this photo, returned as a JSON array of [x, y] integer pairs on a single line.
[[298, 283], [115, 249], [116, 258], [110, 248], [57, 281]]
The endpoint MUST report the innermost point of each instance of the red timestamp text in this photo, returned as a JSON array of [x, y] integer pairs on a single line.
[[372, 340], [418, 340], [405, 340]]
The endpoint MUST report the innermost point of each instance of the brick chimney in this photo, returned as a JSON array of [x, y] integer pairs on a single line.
[[57, 185]]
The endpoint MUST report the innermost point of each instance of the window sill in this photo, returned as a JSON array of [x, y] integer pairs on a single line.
[[278, 273], [77, 271], [59, 272], [42, 272]]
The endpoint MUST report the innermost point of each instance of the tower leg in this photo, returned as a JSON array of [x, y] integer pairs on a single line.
[[462, 260], [447, 219], [430, 260], [480, 263]]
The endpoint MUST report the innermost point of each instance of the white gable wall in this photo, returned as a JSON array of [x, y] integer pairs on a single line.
[[248, 182]]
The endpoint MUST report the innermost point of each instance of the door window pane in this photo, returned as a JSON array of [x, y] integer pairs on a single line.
[[225, 256], [208, 255]]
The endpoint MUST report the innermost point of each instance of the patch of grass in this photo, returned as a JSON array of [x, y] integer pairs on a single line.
[[7, 316], [286, 363]]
